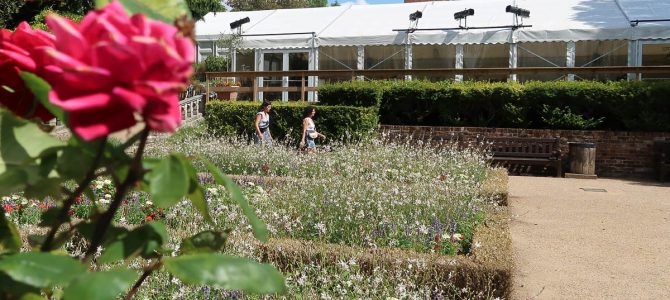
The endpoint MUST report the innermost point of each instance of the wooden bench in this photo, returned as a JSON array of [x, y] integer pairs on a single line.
[[529, 151]]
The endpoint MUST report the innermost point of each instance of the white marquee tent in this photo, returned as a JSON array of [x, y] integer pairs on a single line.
[[564, 33]]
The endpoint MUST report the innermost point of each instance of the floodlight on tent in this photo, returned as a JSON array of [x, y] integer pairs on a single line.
[[463, 16], [415, 15], [519, 13], [238, 24], [524, 13]]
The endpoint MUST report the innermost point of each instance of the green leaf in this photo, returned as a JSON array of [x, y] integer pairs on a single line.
[[74, 163], [196, 192], [100, 285], [41, 269], [168, 181], [41, 89], [21, 145], [10, 239], [228, 272], [162, 10], [259, 228], [44, 187], [12, 289], [50, 217], [101, 3], [206, 241], [144, 241]]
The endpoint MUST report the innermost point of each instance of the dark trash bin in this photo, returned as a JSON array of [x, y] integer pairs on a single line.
[[662, 159], [582, 158]]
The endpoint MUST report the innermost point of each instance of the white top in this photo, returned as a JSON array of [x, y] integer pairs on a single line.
[[310, 124], [551, 20], [265, 119]]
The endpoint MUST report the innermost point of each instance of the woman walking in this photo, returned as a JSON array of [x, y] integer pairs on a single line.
[[262, 123], [309, 133]]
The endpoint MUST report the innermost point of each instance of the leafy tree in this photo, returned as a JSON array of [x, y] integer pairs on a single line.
[[244, 5], [7, 9], [199, 8], [13, 12]]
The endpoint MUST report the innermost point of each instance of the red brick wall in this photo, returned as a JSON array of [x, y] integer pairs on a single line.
[[618, 153]]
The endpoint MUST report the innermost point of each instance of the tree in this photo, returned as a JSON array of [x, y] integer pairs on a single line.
[[244, 5], [7, 9], [199, 8], [13, 12]]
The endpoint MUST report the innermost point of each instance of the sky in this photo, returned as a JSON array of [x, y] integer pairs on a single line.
[[366, 1]]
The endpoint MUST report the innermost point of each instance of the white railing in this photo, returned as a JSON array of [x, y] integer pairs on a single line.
[[192, 108]]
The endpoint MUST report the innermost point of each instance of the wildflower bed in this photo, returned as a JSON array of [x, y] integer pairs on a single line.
[[367, 220]]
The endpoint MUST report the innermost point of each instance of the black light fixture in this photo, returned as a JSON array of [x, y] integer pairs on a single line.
[[238, 23], [524, 13], [415, 16], [464, 14]]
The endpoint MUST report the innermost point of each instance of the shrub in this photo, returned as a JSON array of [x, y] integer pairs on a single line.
[[336, 122], [353, 93], [556, 105], [216, 63]]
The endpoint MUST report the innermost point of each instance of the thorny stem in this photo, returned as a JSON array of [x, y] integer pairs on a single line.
[[144, 276], [67, 204], [134, 174]]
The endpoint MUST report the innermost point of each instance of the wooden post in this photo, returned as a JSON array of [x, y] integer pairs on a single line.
[[302, 87], [207, 80], [255, 88]]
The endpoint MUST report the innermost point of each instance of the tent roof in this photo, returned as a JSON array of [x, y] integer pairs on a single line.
[[551, 20]]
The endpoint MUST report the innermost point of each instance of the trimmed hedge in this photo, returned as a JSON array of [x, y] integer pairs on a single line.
[[336, 122], [643, 106], [353, 93]]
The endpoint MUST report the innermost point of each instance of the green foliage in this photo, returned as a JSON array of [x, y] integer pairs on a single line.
[[564, 118], [336, 122], [40, 269], [216, 63], [100, 285], [161, 10], [7, 9], [642, 106], [353, 93], [13, 12], [199, 8], [244, 5], [223, 271], [10, 240], [39, 21]]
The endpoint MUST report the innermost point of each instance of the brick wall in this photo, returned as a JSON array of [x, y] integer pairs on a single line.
[[618, 153]]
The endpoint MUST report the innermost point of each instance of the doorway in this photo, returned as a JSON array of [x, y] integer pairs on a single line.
[[284, 60]]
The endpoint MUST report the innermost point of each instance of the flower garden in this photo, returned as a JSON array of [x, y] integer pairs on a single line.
[[423, 201], [197, 216]]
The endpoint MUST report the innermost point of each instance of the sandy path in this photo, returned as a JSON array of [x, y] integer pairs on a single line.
[[573, 244]]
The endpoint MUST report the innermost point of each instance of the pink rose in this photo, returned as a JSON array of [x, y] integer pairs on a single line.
[[111, 71], [20, 51]]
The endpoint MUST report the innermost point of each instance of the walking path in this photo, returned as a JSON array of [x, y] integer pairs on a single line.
[[576, 244]]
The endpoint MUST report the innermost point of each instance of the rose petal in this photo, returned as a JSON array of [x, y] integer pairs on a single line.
[[70, 40]]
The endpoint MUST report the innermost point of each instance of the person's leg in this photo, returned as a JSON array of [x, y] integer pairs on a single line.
[[266, 138]]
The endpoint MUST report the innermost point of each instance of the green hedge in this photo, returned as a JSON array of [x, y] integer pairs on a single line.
[[336, 122], [354, 93], [643, 106]]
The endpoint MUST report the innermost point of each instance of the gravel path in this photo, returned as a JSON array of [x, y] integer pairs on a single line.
[[574, 244]]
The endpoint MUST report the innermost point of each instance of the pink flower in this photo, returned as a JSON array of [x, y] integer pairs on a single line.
[[20, 51], [111, 71]]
